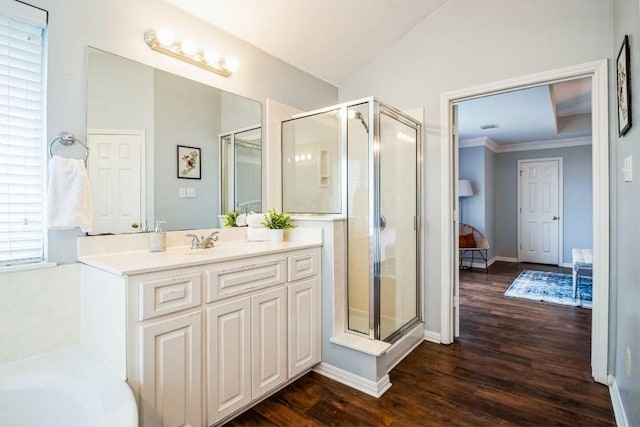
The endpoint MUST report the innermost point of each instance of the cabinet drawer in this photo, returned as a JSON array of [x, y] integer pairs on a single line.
[[240, 277], [303, 265], [169, 294]]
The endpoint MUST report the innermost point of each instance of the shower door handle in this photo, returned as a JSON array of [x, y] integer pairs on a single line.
[[383, 222]]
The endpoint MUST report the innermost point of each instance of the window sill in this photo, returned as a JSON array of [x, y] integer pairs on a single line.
[[24, 267]]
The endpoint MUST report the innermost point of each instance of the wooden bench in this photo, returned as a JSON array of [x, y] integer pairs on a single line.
[[582, 266]]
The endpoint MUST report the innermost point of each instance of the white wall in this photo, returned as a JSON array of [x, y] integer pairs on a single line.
[[467, 43], [39, 311], [625, 268], [118, 26]]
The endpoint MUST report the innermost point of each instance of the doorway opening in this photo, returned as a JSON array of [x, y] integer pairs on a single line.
[[600, 180]]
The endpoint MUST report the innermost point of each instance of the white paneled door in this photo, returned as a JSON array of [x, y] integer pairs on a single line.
[[116, 171], [539, 211]]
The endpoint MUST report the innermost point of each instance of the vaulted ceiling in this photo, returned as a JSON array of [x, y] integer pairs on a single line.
[[330, 39], [333, 39]]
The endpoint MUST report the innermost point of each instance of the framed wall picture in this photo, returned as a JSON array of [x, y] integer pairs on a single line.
[[623, 87], [189, 162]]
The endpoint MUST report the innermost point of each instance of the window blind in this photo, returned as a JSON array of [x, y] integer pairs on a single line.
[[22, 151]]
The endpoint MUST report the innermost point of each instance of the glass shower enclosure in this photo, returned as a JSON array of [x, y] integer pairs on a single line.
[[241, 170], [361, 161]]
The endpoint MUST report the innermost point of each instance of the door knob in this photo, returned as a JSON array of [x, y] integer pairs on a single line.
[[555, 218], [135, 225]]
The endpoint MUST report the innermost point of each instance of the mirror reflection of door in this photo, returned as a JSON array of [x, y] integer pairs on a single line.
[[116, 168], [241, 170]]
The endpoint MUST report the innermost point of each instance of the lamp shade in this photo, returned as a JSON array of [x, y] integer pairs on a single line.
[[464, 188]]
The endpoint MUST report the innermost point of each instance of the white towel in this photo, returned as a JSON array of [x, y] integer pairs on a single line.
[[69, 199]]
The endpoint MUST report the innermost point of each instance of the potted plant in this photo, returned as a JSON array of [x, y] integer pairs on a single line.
[[231, 218], [277, 223]]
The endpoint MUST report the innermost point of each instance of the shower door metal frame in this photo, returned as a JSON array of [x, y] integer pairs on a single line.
[[381, 108], [375, 215]]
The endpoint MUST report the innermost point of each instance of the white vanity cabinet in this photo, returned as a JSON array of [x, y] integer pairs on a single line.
[[165, 336], [200, 343], [250, 334], [247, 347]]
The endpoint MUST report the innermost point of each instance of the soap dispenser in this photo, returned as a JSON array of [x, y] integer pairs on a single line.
[[158, 238]]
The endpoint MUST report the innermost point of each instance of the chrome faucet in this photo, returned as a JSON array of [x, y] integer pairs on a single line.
[[208, 242], [203, 242]]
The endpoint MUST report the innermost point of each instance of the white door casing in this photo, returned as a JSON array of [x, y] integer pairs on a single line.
[[539, 208], [598, 71], [456, 217], [116, 169]]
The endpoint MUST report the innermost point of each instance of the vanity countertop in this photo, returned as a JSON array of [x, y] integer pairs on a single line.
[[138, 262]]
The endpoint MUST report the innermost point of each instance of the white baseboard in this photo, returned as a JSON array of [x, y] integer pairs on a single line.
[[354, 381], [618, 407], [567, 264], [505, 259], [432, 336]]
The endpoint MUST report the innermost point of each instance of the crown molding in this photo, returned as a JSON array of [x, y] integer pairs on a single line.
[[524, 146]]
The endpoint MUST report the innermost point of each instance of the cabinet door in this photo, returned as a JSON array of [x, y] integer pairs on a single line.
[[228, 358], [268, 340], [171, 372], [304, 325]]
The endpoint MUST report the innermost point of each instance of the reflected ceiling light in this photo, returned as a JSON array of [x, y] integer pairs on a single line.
[[187, 50], [405, 137]]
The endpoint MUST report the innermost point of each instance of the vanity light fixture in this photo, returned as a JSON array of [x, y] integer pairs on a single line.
[[187, 50]]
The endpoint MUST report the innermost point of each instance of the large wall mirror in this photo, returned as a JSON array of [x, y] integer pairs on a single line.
[[166, 148]]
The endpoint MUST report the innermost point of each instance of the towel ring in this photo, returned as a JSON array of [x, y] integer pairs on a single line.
[[67, 139]]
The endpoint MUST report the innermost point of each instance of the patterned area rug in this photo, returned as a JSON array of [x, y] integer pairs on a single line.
[[551, 287]]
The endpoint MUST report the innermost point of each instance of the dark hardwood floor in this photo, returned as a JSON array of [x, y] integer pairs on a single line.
[[517, 362]]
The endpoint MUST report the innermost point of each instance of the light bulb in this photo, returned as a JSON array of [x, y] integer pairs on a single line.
[[297, 158], [189, 47], [308, 156], [165, 37], [211, 56], [231, 64]]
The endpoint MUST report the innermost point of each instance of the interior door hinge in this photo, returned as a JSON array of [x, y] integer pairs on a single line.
[[456, 302]]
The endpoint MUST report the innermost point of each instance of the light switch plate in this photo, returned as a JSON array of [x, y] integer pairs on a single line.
[[181, 193], [191, 192], [627, 169]]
